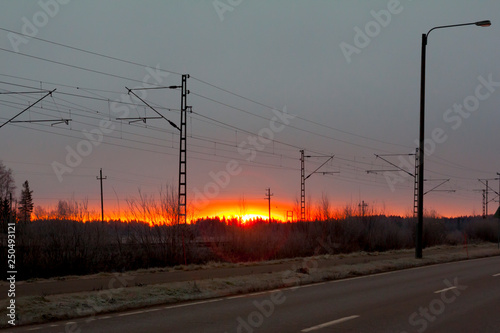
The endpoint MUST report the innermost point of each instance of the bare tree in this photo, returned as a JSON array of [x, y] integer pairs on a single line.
[[168, 204], [40, 213], [325, 213], [7, 185]]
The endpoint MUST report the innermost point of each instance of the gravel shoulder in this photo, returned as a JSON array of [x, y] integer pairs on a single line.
[[43, 300]]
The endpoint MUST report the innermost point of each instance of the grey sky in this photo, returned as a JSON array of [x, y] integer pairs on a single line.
[[283, 54]]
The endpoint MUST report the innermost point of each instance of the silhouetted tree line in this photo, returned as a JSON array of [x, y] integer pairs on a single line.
[[47, 248], [12, 210]]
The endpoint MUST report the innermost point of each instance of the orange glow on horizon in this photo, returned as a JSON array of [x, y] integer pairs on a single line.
[[228, 209], [245, 211]]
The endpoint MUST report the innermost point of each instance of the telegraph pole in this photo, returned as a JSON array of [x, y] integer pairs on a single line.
[[363, 205], [102, 200], [268, 198]]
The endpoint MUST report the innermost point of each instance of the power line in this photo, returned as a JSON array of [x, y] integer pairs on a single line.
[[71, 66], [289, 126], [301, 118], [85, 51]]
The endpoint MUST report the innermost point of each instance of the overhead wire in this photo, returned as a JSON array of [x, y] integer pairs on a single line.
[[213, 100]]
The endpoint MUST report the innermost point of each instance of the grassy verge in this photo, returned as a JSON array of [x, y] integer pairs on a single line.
[[38, 309]]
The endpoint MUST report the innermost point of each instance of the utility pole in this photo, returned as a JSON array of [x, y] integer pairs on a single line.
[[485, 204], [182, 200], [485, 194], [362, 207], [485, 210], [302, 187], [415, 176], [303, 180], [183, 154], [398, 168], [497, 214], [102, 199], [415, 184], [268, 198], [498, 178]]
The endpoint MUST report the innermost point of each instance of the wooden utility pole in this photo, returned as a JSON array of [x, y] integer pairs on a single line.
[[102, 200], [268, 198], [362, 206]]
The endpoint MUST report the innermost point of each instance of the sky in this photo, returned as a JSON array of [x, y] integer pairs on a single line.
[[267, 79]]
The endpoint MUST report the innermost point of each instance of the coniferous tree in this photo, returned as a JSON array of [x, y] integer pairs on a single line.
[[26, 203], [7, 187], [4, 214]]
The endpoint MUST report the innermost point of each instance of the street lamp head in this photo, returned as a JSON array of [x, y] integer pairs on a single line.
[[486, 23]]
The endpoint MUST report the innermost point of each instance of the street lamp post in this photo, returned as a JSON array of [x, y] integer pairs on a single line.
[[420, 203]]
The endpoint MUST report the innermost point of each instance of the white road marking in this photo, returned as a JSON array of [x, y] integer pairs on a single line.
[[105, 317], [330, 323], [497, 274], [443, 290]]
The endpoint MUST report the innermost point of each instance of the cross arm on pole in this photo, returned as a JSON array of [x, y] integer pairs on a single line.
[[394, 165], [381, 170], [54, 121], [152, 108], [440, 184], [152, 88], [136, 119], [8, 121], [319, 166], [485, 184]]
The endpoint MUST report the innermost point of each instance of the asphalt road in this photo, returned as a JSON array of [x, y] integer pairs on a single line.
[[455, 297]]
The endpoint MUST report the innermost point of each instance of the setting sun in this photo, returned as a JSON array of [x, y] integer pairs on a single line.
[[249, 217]]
